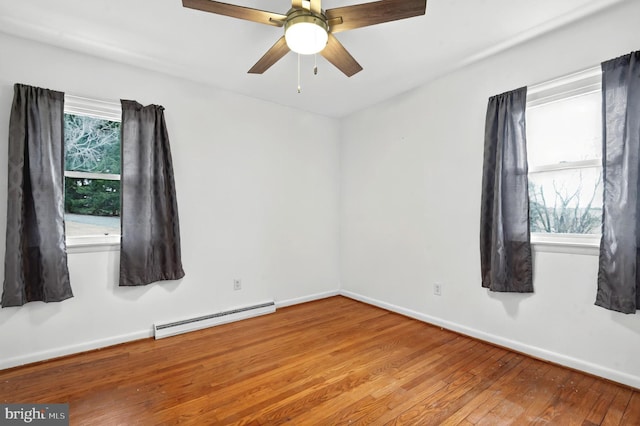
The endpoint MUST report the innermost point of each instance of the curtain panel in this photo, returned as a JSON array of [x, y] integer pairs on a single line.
[[150, 243], [505, 246], [618, 277], [35, 258]]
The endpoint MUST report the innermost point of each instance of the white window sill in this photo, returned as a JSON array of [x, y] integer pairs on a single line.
[[566, 243], [93, 243]]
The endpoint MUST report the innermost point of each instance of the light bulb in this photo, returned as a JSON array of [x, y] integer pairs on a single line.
[[306, 34]]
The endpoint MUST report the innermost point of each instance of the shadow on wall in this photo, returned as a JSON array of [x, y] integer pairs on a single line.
[[510, 301], [131, 293], [628, 321], [38, 313]]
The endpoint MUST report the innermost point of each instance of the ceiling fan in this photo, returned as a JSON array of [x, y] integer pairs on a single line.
[[308, 29]]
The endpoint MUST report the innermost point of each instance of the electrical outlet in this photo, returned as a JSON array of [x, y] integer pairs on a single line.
[[437, 289], [237, 284]]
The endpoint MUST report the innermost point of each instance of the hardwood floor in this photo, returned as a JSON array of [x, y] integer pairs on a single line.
[[329, 362]]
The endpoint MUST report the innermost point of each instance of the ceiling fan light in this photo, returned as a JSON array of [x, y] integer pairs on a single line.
[[306, 34]]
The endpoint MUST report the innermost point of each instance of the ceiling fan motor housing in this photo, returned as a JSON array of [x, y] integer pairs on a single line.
[[305, 32]]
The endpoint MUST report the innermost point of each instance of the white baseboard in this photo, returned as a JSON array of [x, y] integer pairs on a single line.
[[534, 351], [73, 349], [557, 358], [305, 299], [115, 340]]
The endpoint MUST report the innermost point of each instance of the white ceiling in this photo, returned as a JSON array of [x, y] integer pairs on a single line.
[[218, 50]]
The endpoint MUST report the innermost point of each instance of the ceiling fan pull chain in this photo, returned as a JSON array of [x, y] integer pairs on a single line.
[[299, 88], [315, 64]]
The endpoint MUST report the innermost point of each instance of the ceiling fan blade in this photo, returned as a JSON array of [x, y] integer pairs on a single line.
[[377, 12], [335, 53], [273, 55], [240, 12]]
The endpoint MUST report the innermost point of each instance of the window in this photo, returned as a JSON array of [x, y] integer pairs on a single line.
[[564, 144], [92, 171]]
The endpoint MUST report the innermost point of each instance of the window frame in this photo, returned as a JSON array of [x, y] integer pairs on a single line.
[[558, 89], [106, 110]]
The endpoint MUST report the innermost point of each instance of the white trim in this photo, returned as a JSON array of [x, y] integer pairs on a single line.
[[588, 244], [565, 87], [566, 165], [51, 354], [91, 175], [557, 89], [47, 355], [534, 351], [93, 243], [585, 74], [305, 299], [106, 110]]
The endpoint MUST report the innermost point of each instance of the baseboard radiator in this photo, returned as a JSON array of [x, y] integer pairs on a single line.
[[205, 321]]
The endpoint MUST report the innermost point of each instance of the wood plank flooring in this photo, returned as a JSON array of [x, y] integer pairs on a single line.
[[330, 362]]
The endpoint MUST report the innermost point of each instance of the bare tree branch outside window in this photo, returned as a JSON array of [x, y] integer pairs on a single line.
[[92, 145], [565, 208]]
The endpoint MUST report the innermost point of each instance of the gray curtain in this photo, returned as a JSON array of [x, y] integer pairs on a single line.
[[150, 245], [35, 264], [505, 249], [618, 277]]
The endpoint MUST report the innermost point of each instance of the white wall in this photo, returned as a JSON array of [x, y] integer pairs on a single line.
[[402, 190], [257, 197], [411, 171]]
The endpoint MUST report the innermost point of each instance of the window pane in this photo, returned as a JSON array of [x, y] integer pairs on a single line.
[[566, 201], [92, 206], [565, 130], [91, 144]]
